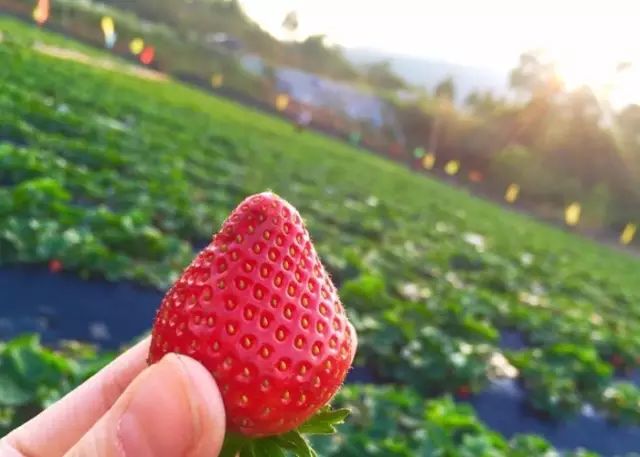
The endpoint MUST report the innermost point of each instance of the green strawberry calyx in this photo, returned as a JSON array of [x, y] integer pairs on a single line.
[[290, 443]]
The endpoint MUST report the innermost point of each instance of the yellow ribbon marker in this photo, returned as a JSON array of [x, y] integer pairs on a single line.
[[108, 27], [217, 80], [282, 101], [452, 167], [512, 192], [628, 233], [136, 46], [572, 214], [428, 161]]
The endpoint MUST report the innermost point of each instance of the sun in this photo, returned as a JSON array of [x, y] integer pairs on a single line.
[[576, 72], [627, 89], [598, 59], [608, 79]]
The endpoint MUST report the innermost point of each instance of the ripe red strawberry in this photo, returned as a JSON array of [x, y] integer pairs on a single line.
[[258, 310], [463, 392], [55, 266]]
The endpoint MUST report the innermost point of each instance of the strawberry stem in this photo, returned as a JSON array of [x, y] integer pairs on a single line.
[[233, 444], [293, 442]]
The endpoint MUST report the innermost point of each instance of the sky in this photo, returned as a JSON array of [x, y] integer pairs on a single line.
[[587, 38]]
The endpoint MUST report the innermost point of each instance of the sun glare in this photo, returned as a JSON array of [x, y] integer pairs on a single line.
[[593, 54], [610, 79], [588, 41], [628, 89], [575, 73]]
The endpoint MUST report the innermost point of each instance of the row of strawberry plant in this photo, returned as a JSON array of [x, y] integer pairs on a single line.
[[384, 421], [121, 188]]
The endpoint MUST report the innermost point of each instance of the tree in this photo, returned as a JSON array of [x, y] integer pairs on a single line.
[[513, 164], [204, 17], [578, 143], [483, 103], [535, 76], [314, 55], [628, 132], [445, 94], [445, 90], [628, 123], [290, 22], [381, 75]]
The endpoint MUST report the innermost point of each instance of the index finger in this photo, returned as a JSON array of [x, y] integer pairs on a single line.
[[56, 429]]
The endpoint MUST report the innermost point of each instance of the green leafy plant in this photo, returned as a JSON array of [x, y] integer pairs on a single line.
[[32, 377]]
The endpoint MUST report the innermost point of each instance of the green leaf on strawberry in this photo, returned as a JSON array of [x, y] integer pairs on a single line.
[[324, 422]]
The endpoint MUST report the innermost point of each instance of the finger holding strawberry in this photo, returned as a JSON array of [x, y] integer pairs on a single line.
[[257, 308]]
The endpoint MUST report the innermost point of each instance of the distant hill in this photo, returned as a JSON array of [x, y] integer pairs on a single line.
[[429, 72]]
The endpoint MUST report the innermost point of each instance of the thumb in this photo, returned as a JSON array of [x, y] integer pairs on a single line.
[[173, 408]]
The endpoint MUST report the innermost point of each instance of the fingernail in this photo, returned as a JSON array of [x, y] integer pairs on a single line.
[[160, 419]]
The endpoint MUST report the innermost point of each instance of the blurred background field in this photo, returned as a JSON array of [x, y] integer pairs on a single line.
[[483, 330]]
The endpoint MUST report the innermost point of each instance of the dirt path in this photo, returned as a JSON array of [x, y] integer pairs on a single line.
[[103, 63]]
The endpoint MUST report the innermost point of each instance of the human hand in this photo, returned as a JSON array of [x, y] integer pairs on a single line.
[[172, 408]]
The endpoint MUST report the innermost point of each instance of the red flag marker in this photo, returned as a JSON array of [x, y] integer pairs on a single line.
[[147, 55]]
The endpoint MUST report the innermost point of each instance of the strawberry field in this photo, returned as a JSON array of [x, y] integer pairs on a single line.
[[116, 177]]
